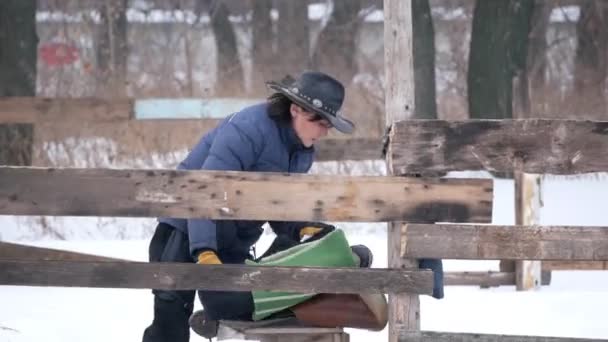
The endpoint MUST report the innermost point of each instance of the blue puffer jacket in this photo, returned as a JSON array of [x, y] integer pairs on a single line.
[[245, 141]]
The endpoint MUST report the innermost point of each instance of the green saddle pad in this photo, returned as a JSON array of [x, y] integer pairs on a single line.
[[332, 250]]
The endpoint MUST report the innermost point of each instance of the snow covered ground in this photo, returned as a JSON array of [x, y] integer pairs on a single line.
[[574, 305]]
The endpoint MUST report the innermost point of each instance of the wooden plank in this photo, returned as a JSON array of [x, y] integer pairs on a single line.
[[280, 331], [184, 276], [288, 336], [81, 110], [399, 94], [13, 251], [95, 144], [431, 336], [485, 279], [129, 140], [565, 265], [527, 212], [482, 279], [240, 195], [16, 143], [481, 242], [294, 331], [533, 146]]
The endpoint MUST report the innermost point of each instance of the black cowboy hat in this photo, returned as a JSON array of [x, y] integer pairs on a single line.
[[318, 93]]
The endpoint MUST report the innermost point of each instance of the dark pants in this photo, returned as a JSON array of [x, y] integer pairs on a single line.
[[173, 308]]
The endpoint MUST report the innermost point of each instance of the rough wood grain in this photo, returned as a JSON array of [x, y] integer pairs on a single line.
[[533, 146], [39, 109], [528, 203], [183, 276], [563, 265], [428, 336], [329, 337], [240, 195], [486, 279], [506, 242], [482, 279], [399, 94], [13, 251]]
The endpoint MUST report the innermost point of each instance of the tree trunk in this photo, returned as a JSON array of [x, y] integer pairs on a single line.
[[336, 44], [262, 45], [591, 59], [18, 56], [424, 60], [499, 40], [293, 37], [229, 69], [112, 48], [535, 101], [18, 48]]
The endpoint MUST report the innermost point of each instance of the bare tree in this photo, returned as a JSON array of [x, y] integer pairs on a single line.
[[228, 68], [591, 58], [293, 37], [262, 44], [18, 48], [112, 48], [424, 60], [499, 44], [336, 44], [532, 85], [18, 54]]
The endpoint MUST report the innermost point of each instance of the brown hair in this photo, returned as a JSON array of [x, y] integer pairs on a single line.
[[278, 108]]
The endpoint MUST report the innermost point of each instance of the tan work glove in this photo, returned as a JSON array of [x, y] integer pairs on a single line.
[[315, 230], [208, 258]]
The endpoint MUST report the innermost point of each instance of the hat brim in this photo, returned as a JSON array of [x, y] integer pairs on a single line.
[[338, 122]]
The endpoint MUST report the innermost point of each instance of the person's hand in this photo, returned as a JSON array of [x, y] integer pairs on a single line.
[[315, 230], [208, 257]]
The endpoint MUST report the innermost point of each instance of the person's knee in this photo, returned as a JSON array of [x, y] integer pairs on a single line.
[[227, 304], [436, 265]]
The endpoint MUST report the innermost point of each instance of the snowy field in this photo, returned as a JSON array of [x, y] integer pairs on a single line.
[[574, 305]]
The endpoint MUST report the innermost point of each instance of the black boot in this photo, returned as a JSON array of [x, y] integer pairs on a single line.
[[203, 325], [170, 321], [364, 254]]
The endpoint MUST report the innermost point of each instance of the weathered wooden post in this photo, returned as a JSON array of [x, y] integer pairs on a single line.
[[404, 308], [527, 212]]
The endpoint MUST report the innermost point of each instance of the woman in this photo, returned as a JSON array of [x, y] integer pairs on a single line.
[[275, 136]]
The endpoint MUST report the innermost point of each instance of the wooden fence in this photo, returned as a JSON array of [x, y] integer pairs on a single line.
[[421, 202]]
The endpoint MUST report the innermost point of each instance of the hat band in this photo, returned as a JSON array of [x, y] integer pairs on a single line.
[[317, 103]]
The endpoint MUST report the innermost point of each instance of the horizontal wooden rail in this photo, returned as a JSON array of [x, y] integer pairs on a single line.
[[18, 252], [38, 109], [95, 109], [486, 279], [482, 279], [137, 139], [182, 276], [533, 146], [564, 265], [430, 336], [13, 251], [241, 195], [480, 242]]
